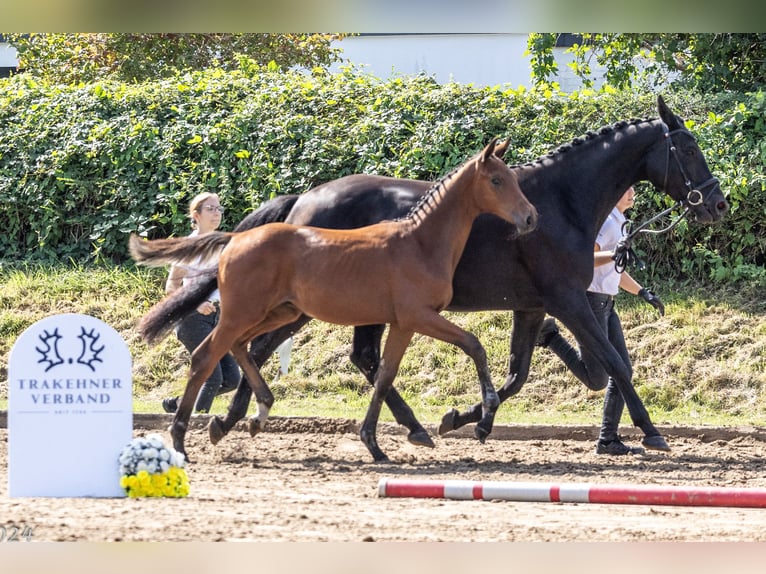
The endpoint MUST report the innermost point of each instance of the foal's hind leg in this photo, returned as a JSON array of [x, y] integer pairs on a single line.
[[365, 355], [261, 348], [526, 325], [203, 360], [276, 317]]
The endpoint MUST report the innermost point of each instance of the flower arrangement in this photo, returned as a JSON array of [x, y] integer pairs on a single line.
[[149, 468]]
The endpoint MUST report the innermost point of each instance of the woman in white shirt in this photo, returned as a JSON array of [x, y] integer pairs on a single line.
[[605, 285], [206, 213]]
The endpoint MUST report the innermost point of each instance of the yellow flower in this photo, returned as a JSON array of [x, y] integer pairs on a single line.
[[172, 483]]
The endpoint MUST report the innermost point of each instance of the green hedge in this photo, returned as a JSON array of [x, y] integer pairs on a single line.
[[82, 166]]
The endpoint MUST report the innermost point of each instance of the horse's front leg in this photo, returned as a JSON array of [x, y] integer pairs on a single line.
[[526, 325], [365, 355], [579, 319], [261, 349], [396, 345]]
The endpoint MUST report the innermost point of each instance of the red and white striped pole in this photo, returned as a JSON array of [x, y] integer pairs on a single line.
[[573, 492]]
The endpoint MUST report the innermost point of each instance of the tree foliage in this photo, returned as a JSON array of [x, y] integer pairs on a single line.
[[76, 58], [711, 61], [81, 166]]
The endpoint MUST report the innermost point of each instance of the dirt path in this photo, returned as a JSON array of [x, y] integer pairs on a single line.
[[293, 483]]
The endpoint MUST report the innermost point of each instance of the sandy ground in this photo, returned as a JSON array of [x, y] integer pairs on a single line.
[[313, 480]]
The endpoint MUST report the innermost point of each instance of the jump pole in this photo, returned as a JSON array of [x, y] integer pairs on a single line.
[[573, 492]]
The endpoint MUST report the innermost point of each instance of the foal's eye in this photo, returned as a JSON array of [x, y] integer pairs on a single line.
[[496, 181]]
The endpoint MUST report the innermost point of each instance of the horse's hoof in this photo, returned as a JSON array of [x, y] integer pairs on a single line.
[[481, 433], [655, 443], [448, 422], [215, 430], [420, 438], [381, 458]]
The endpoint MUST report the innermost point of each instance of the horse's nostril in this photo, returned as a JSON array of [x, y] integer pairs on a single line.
[[722, 205]]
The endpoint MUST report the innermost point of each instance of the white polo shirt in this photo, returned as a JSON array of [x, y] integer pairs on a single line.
[[605, 279]]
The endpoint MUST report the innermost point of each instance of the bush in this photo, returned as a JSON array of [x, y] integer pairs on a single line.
[[82, 166]]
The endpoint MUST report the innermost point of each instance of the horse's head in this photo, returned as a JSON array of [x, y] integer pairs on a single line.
[[498, 190], [680, 169]]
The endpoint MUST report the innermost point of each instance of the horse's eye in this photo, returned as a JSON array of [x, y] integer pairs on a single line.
[[496, 181]]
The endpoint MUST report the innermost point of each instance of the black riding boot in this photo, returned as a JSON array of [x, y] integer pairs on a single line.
[[608, 440]]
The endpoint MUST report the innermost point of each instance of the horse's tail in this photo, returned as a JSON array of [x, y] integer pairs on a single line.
[[274, 210], [165, 315]]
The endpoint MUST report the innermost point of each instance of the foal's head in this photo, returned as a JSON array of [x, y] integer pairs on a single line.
[[497, 190]]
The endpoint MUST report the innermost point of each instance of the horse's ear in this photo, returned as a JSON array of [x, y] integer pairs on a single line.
[[671, 120], [501, 148], [489, 151]]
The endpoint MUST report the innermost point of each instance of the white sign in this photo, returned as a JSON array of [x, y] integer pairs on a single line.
[[70, 408]]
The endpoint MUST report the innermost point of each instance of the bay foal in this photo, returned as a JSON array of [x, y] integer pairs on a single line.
[[394, 272]]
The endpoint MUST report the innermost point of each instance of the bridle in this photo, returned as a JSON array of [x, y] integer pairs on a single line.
[[625, 255], [694, 196]]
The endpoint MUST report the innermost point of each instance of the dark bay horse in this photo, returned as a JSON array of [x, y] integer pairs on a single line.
[[395, 272], [548, 270]]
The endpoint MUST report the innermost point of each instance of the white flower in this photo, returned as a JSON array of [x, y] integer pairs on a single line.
[[150, 453]]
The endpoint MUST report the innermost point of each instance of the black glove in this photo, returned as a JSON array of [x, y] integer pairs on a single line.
[[653, 300]]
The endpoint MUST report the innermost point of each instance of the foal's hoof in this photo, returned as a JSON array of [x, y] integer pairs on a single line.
[[655, 443], [215, 430], [448, 422], [420, 438], [255, 426]]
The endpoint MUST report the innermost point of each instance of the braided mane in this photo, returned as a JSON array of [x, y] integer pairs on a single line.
[[431, 198], [588, 136]]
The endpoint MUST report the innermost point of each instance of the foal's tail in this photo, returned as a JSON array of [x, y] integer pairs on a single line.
[[163, 317], [178, 250]]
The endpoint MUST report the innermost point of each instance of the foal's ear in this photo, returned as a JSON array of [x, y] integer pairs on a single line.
[[501, 148], [671, 120], [488, 151]]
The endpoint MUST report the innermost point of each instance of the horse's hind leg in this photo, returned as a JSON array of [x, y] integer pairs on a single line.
[[396, 344], [277, 317], [526, 325], [365, 355], [261, 349]]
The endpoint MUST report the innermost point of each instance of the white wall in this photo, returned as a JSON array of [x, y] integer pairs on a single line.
[[7, 56], [479, 59]]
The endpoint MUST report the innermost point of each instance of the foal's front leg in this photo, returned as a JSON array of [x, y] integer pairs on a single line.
[[526, 326], [436, 326]]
